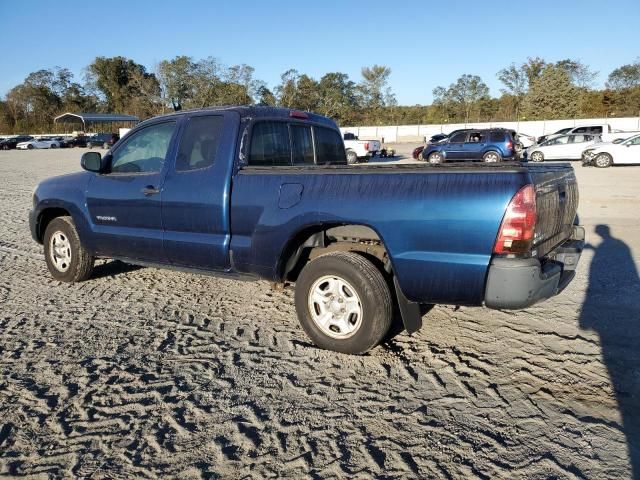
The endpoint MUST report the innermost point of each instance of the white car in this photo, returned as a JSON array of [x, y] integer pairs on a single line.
[[606, 133], [43, 142], [564, 147], [604, 155]]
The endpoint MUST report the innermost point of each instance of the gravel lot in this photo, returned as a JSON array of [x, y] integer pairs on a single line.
[[147, 373]]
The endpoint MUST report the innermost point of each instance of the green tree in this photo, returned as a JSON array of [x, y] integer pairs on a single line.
[[266, 97], [626, 76], [176, 80], [337, 97], [463, 95], [125, 84], [552, 95]]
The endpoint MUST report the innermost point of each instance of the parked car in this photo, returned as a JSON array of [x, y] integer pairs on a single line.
[[12, 142], [625, 152], [562, 131], [359, 150], [71, 142], [525, 140], [103, 140], [417, 152], [604, 131], [564, 147], [354, 240], [489, 145], [42, 142]]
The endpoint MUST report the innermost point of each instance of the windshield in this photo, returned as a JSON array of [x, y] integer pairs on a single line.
[[632, 140]]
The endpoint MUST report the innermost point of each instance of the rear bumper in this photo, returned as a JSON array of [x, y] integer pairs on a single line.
[[515, 283]]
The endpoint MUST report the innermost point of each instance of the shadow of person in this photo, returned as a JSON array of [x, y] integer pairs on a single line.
[[611, 308]]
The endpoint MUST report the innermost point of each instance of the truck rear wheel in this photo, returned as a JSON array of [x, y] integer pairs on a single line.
[[343, 302], [352, 157], [66, 258]]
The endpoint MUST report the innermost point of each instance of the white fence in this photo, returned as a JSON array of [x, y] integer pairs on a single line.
[[417, 133]]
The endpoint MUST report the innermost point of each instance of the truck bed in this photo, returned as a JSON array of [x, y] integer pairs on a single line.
[[439, 223]]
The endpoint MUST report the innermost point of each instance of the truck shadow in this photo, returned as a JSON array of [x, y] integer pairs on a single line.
[[611, 309], [113, 268]]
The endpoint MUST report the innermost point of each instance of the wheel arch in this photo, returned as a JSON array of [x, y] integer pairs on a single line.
[[46, 216], [327, 237]]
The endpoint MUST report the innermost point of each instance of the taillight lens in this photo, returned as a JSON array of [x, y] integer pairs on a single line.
[[366, 146], [509, 145], [519, 223]]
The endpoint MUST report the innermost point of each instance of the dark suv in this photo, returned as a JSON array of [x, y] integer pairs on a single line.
[[104, 140], [488, 145], [10, 143]]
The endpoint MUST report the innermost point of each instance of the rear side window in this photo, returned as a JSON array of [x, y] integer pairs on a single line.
[[302, 145], [329, 147], [595, 130], [270, 145], [497, 137], [199, 143]]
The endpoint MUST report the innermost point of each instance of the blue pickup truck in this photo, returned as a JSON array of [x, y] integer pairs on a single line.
[[266, 193]]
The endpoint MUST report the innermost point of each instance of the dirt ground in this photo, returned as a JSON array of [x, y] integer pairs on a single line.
[[147, 373]]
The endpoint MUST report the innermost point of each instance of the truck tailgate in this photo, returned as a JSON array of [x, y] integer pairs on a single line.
[[557, 205]]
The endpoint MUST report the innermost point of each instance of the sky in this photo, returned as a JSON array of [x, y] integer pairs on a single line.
[[425, 44]]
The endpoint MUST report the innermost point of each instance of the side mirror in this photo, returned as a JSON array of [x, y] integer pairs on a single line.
[[93, 162]]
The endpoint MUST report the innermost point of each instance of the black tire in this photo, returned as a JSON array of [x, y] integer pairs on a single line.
[[53, 145], [352, 157], [435, 158], [80, 263], [420, 157], [492, 157], [537, 157], [30, 147], [371, 292], [603, 160]]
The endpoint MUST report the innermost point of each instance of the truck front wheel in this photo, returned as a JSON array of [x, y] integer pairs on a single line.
[[352, 157], [66, 258], [343, 302]]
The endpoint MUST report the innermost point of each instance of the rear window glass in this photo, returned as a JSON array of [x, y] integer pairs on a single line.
[[497, 137], [270, 145], [329, 147], [199, 143], [302, 144]]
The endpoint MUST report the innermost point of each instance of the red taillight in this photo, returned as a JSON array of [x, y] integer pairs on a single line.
[[509, 145], [297, 114], [519, 223], [366, 146]]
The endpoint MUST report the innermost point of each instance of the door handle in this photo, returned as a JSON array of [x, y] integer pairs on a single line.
[[150, 190]]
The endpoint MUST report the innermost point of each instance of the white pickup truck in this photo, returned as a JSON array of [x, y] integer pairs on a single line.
[[359, 150], [604, 131]]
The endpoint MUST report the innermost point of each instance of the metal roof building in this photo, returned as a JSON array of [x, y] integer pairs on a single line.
[[89, 120]]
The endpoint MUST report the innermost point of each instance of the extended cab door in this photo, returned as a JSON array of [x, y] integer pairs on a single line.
[[125, 202], [196, 192]]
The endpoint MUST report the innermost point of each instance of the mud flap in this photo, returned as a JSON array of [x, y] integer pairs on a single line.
[[410, 311]]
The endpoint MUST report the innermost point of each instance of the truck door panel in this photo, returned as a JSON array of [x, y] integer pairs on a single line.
[[195, 197], [125, 204]]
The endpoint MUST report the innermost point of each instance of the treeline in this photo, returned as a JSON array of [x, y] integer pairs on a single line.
[[533, 90]]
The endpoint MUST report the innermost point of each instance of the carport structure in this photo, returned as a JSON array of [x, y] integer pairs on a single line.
[[100, 122]]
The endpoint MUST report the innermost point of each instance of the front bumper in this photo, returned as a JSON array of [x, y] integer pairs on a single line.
[[33, 225], [515, 283]]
